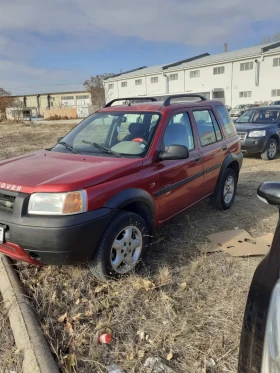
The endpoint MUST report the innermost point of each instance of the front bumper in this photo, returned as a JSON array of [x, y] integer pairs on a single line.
[[252, 145], [51, 239]]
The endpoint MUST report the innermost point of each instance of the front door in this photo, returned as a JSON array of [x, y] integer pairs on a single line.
[[180, 181], [213, 149]]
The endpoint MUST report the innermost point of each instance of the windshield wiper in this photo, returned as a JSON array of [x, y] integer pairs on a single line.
[[102, 148], [69, 147]]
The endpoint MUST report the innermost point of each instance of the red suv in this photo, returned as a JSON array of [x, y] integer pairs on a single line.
[[98, 194]]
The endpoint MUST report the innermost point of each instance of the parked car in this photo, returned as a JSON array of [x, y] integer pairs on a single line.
[[259, 130], [98, 194], [239, 110], [259, 347], [275, 103], [228, 108]]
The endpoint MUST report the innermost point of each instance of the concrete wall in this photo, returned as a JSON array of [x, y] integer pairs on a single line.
[[65, 112]]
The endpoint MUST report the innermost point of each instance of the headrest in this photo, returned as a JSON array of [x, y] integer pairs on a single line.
[[136, 129]]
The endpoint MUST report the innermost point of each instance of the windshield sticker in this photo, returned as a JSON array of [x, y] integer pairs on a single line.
[[142, 146], [16, 188]]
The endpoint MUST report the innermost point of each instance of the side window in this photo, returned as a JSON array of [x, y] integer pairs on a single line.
[[226, 121], [207, 126], [179, 132]]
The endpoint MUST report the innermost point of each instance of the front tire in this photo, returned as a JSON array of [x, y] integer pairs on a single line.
[[224, 196], [121, 248], [270, 151]]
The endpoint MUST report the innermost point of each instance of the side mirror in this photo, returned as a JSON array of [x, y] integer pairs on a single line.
[[59, 139], [174, 152], [269, 192]]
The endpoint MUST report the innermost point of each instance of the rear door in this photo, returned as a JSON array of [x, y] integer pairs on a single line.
[[180, 181], [212, 146]]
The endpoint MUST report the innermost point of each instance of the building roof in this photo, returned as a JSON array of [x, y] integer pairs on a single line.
[[51, 93], [203, 59], [235, 55]]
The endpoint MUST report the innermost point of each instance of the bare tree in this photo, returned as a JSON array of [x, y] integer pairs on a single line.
[[95, 86], [271, 38], [6, 100]]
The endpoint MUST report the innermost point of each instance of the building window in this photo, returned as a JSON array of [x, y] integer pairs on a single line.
[[195, 74], [275, 92], [246, 66], [245, 94], [173, 77], [82, 97], [276, 62], [154, 79], [138, 82], [123, 84], [111, 86], [220, 94], [219, 70], [67, 98]]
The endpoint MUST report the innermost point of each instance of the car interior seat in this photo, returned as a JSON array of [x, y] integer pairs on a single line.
[[135, 130]]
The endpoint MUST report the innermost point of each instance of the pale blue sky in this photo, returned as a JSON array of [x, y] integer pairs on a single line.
[[55, 45]]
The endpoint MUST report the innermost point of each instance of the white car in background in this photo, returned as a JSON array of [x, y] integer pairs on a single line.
[[239, 110]]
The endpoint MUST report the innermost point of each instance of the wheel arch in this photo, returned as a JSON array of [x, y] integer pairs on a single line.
[[275, 137], [231, 161], [135, 200]]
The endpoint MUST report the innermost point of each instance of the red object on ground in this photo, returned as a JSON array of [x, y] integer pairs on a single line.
[[104, 339], [16, 252]]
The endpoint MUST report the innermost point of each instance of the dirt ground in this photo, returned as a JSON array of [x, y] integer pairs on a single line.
[[183, 306]]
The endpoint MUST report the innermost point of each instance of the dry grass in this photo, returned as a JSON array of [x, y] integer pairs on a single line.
[[10, 358], [182, 305]]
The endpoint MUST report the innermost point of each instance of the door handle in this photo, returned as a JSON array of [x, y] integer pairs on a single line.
[[224, 147], [197, 159]]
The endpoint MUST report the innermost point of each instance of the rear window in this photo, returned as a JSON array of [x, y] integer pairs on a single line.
[[227, 123]]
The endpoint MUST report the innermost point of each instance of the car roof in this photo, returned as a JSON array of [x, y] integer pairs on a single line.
[[159, 105], [267, 107]]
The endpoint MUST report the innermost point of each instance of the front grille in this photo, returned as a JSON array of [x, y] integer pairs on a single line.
[[242, 135], [7, 202]]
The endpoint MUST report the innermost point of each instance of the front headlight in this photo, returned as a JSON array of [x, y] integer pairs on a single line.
[[58, 203], [271, 349], [257, 133]]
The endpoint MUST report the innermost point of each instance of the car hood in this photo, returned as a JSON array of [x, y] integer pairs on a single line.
[[244, 127], [47, 171], [236, 110]]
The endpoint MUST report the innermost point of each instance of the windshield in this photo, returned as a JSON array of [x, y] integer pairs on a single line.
[[259, 116], [112, 134], [240, 107]]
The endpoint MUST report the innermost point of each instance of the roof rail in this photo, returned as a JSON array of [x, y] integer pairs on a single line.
[[169, 98], [130, 99]]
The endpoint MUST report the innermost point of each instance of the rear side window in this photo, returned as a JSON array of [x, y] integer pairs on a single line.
[[207, 126], [226, 121]]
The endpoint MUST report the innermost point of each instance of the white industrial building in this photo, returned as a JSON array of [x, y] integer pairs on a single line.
[[244, 76]]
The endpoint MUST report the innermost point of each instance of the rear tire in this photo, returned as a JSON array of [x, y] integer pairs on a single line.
[[270, 151], [121, 248], [224, 196]]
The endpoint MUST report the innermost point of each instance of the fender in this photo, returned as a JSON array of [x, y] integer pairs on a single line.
[[143, 203], [231, 157]]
